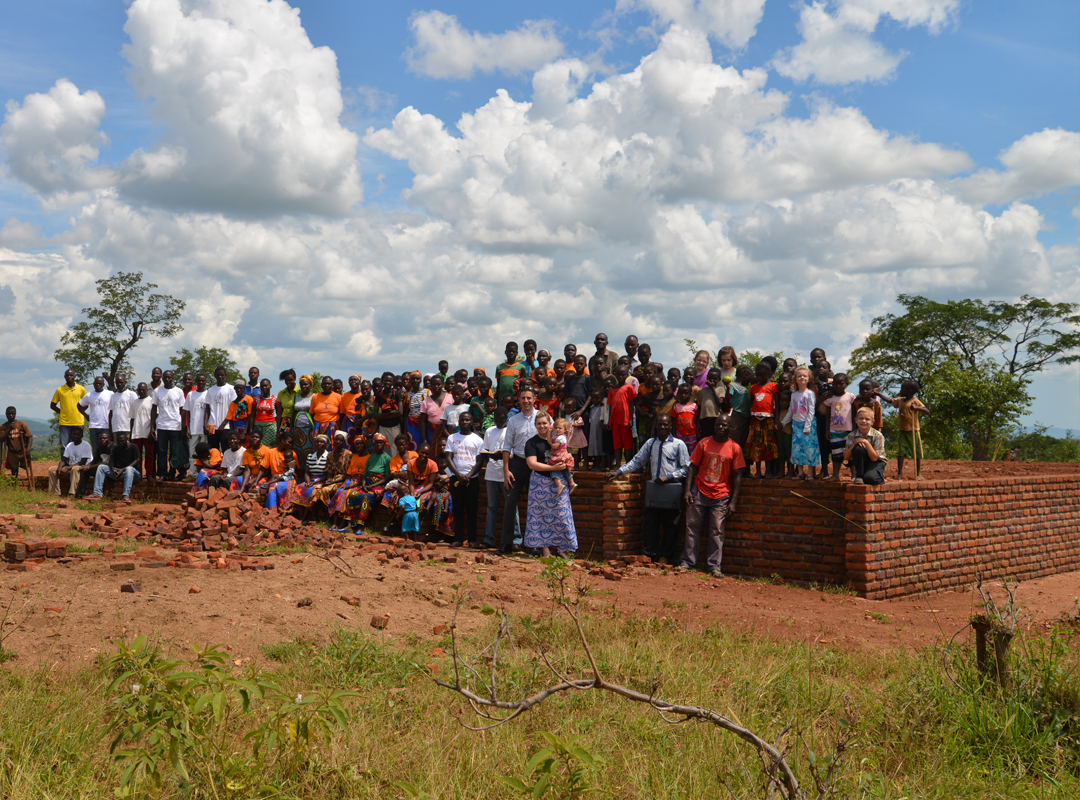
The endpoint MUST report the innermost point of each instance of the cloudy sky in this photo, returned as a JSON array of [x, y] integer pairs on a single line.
[[352, 186]]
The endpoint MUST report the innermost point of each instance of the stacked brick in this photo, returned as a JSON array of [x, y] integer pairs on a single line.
[[209, 521], [774, 532], [23, 556], [936, 535]]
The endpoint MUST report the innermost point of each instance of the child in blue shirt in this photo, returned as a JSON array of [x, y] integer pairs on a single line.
[[410, 523]]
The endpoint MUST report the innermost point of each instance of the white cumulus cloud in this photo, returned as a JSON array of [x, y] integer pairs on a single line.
[[444, 49], [250, 110], [731, 22], [1035, 164], [838, 45], [52, 140]]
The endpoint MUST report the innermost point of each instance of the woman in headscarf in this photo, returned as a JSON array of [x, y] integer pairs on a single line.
[[326, 409], [354, 475], [267, 413], [350, 400], [357, 502], [316, 469], [302, 424]]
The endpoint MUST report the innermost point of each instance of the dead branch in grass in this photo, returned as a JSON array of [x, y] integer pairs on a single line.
[[486, 703]]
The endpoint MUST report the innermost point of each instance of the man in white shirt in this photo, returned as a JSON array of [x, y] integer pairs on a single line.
[[77, 456], [492, 462], [96, 406], [218, 398], [461, 454], [516, 472], [120, 407], [195, 414], [166, 424], [141, 411]]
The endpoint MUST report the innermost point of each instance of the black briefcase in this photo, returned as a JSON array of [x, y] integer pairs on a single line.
[[667, 495]]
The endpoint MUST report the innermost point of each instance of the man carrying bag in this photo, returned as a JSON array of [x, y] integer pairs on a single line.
[[667, 461]]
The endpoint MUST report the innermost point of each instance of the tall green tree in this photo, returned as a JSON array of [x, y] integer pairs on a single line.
[[974, 360], [127, 311], [204, 360]]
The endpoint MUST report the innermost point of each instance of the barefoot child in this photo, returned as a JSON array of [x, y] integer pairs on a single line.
[[560, 456], [805, 451], [761, 442], [838, 405], [910, 441]]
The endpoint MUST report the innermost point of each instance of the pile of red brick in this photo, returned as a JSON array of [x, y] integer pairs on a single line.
[[23, 556], [623, 566], [208, 520]]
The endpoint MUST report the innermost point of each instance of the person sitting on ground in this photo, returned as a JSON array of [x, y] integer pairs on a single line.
[[864, 450], [123, 465], [250, 480], [315, 470], [17, 436], [208, 462], [232, 464], [711, 494], [281, 469], [76, 457]]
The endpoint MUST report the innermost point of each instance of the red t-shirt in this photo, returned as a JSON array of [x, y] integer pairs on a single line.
[[715, 463], [619, 400], [762, 396]]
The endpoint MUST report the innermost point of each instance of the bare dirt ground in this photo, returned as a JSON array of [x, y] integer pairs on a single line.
[[960, 470], [70, 613]]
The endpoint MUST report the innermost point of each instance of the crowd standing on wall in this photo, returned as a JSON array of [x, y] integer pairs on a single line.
[[421, 443]]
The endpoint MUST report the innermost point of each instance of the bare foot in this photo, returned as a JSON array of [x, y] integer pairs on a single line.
[[545, 552]]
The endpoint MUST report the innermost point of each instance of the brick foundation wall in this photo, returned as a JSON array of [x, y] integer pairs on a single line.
[[773, 532], [919, 536], [937, 535]]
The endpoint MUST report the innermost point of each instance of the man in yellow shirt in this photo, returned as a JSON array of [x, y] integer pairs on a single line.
[[65, 402]]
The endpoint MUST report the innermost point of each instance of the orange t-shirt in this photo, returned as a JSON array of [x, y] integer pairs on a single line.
[[326, 407], [212, 460], [763, 394], [348, 403], [255, 459], [357, 464], [275, 461], [421, 478], [397, 461]]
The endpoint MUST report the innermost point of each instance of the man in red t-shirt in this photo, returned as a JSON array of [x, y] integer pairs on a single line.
[[712, 491]]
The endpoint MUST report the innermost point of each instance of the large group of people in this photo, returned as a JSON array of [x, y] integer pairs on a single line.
[[421, 443]]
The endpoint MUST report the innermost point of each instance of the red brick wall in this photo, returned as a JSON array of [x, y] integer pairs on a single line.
[[937, 535], [773, 532]]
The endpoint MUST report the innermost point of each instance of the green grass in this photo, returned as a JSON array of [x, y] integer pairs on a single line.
[[919, 734]]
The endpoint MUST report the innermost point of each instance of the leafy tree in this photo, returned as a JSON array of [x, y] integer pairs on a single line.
[[1038, 445], [204, 360], [973, 359], [748, 357], [127, 311]]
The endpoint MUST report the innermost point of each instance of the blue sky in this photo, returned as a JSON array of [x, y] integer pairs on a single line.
[[973, 81]]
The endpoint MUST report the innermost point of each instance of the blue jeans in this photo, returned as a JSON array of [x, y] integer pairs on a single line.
[[495, 494], [65, 435], [129, 474]]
